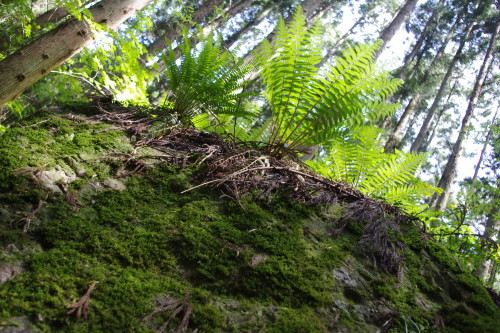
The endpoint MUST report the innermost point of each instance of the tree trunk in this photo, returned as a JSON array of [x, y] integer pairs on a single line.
[[51, 16], [232, 11], [322, 10], [485, 145], [394, 26], [490, 231], [410, 56], [449, 35], [450, 170], [395, 136], [173, 33], [415, 147], [331, 51], [249, 25], [309, 7], [23, 68]]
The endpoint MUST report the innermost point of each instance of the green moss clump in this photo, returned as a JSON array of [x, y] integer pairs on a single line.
[[264, 266], [297, 321], [443, 256]]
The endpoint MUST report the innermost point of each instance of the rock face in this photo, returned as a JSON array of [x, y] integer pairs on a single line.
[[113, 213]]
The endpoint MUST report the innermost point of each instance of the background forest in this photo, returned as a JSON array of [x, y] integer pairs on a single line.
[[398, 98]]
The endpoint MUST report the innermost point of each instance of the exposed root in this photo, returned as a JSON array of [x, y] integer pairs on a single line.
[[83, 305], [438, 322], [34, 172], [177, 306], [27, 219], [236, 168]]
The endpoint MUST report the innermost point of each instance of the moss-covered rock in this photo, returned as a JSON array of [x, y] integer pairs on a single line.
[[250, 266]]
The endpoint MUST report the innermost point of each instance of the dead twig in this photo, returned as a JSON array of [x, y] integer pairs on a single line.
[[438, 322], [178, 305], [34, 172], [27, 219], [83, 304]]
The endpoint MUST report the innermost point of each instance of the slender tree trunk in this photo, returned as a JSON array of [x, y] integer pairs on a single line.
[[322, 10], [395, 136], [492, 274], [231, 11], [23, 68], [250, 24], [173, 33], [491, 227], [485, 145], [415, 147], [394, 26], [490, 231], [309, 7], [440, 114], [433, 19], [331, 51], [450, 170], [441, 51]]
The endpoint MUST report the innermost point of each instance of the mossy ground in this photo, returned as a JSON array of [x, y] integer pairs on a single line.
[[256, 265]]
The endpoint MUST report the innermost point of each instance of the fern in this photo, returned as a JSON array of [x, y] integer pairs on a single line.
[[359, 160], [210, 80], [309, 107], [248, 128]]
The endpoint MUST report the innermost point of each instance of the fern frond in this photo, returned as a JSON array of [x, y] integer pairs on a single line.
[[309, 107], [207, 79], [360, 160]]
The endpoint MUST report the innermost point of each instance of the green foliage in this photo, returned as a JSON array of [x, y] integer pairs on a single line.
[[309, 107], [18, 24], [207, 79], [359, 160], [250, 128]]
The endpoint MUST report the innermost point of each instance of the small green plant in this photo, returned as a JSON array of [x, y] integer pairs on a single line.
[[310, 107], [202, 80], [359, 160]]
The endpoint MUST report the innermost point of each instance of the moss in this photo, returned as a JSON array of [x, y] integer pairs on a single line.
[[249, 266], [62, 276], [418, 272], [212, 240], [45, 141], [443, 256], [461, 318], [297, 320]]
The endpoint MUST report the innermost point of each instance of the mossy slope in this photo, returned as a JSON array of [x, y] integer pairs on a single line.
[[255, 266]]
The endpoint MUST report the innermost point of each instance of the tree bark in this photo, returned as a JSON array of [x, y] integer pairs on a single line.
[[485, 145], [249, 25], [490, 231], [394, 26], [23, 68], [410, 56], [450, 170], [173, 33], [395, 136], [53, 15], [415, 147], [232, 11]]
